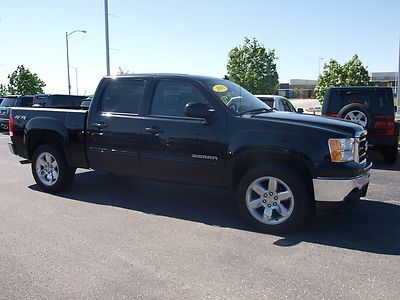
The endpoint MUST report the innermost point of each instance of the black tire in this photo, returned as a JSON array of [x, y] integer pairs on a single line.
[[65, 172], [360, 107], [390, 154], [297, 185]]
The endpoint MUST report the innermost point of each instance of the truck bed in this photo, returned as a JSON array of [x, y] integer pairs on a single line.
[[69, 124]]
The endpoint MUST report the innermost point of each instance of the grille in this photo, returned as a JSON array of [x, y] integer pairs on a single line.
[[362, 147]]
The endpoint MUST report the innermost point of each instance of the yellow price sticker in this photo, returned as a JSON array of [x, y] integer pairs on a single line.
[[219, 88]]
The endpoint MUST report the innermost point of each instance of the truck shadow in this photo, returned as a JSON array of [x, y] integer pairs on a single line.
[[371, 226]]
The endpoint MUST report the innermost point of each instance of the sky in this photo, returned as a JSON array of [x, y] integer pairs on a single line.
[[191, 36]]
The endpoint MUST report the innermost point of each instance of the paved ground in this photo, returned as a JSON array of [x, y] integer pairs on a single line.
[[116, 237]]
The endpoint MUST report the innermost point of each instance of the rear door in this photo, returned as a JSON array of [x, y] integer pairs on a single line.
[[114, 126], [180, 148]]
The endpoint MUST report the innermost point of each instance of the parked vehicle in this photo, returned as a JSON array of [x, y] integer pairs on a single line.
[[86, 102], [279, 103], [371, 107], [200, 130], [58, 101], [12, 101]]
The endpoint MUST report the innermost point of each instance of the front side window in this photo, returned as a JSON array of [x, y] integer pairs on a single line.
[[171, 97], [287, 105], [123, 96]]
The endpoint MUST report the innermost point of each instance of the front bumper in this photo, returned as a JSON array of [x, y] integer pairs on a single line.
[[337, 189]]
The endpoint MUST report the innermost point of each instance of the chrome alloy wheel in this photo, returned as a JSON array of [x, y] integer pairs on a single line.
[[357, 116], [269, 200], [47, 169]]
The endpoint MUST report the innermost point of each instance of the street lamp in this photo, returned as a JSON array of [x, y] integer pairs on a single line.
[[76, 78], [66, 41]]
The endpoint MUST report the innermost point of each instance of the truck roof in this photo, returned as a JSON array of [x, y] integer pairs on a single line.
[[166, 75]]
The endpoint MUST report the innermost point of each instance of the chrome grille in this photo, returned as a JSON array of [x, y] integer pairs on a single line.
[[362, 147]]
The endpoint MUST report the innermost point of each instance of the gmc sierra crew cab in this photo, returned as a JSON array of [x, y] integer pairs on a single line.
[[204, 131]]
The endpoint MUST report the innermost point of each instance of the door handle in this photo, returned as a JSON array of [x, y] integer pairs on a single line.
[[99, 125], [153, 130]]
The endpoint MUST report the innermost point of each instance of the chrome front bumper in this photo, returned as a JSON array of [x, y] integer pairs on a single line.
[[337, 189]]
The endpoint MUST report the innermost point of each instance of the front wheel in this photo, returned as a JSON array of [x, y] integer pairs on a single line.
[[273, 198], [50, 169]]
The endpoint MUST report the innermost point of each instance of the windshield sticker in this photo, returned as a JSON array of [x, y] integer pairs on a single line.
[[219, 88]]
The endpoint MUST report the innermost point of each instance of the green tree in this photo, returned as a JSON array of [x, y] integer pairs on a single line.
[[254, 67], [23, 82], [123, 72], [352, 73], [3, 90]]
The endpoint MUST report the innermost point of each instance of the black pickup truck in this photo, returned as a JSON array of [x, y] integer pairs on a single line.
[[200, 130]]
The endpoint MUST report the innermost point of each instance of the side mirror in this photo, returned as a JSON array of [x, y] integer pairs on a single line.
[[199, 110], [300, 110], [396, 108]]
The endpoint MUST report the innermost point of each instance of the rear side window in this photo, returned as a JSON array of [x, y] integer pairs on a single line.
[[123, 96], [377, 102], [171, 97], [268, 101]]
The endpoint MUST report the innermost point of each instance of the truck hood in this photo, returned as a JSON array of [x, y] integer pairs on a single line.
[[323, 123]]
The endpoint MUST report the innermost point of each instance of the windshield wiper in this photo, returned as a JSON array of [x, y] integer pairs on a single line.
[[255, 111]]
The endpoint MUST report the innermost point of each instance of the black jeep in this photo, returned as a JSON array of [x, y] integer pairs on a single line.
[[371, 107]]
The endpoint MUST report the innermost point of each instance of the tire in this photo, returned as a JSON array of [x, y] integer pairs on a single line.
[[49, 159], [357, 110], [390, 154], [294, 210]]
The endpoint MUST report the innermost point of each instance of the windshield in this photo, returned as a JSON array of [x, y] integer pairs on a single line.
[[8, 102], [235, 97]]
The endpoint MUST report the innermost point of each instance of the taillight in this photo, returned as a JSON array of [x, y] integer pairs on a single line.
[[383, 124], [11, 125]]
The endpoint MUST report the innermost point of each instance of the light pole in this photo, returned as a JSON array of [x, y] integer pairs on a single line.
[[76, 78], [66, 42], [107, 39]]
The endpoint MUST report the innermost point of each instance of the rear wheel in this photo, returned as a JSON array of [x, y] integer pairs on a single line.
[[390, 154], [50, 169], [273, 198]]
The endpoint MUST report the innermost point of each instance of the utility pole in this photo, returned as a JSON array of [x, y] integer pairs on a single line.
[[69, 80], [398, 77], [107, 38]]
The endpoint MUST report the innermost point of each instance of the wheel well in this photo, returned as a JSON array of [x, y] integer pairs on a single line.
[[37, 139], [253, 159]]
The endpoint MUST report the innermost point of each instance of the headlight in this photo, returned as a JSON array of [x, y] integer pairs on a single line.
[[343, 150]]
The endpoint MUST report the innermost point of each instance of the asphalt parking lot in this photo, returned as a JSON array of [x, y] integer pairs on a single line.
[[119, 237]]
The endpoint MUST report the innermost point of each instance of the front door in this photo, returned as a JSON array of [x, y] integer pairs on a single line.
[[179, 148]]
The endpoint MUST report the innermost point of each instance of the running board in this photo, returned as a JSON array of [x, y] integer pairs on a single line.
[[24, 162]]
